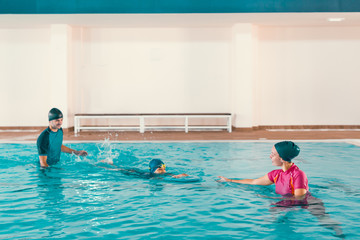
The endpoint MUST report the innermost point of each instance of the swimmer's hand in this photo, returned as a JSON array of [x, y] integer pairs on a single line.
[[81, 153], [223, 179], [180, 175], [108, 161]]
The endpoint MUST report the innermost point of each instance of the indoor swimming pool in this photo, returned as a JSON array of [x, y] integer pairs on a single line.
[[87, 198]]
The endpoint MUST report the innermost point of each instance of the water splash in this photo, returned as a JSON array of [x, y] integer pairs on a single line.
[[107, 152]]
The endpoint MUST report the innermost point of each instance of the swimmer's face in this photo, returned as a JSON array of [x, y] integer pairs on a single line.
[[56, 124], [161, 169], [275, 157]]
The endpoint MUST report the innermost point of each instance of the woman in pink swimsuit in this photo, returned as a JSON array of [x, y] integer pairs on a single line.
[[289, 180], [292, 183]]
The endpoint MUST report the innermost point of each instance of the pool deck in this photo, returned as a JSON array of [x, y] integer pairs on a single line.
[[29, 135]]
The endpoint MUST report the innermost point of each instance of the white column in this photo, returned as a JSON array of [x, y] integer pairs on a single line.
[[60, 57], [243, 74]]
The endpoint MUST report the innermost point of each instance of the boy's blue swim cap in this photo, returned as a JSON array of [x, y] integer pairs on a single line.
[[155, 164], [287, 150], [55, 114]]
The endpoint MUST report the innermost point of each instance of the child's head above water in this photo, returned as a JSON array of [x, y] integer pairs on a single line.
[[157, 166]]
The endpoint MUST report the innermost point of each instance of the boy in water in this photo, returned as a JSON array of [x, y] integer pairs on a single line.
[[157, 166]]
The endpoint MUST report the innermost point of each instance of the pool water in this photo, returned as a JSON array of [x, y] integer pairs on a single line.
[[84, 198]]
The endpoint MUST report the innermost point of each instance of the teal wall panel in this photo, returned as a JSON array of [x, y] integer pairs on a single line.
[[174, 6]]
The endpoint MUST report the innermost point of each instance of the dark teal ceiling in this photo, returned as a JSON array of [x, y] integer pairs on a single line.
[[174, 6]]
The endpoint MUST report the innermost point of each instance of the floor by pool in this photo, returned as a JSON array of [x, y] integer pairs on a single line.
[[85, 199]]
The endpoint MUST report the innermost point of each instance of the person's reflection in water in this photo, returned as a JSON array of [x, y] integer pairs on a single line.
[[315, 206], [50, 189], [285, 227]]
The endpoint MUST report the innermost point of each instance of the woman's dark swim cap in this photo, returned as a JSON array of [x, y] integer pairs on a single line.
[[155, 164], [287, 150], [55, 114]]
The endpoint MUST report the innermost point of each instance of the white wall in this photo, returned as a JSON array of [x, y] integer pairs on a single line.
[[297, 75], [309, 76], [24, 76], [244, 74], [153, 70]]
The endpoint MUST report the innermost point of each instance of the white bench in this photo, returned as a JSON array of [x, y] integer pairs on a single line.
[[142, 118]]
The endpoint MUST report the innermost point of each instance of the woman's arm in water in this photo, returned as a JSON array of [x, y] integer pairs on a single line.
[[300, 193], [264, 180]]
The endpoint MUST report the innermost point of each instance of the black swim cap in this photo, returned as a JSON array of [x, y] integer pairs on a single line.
[[287, 150], [155, 164], [55, 114]]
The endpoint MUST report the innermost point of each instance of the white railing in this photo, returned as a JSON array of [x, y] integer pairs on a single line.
[[142, 125]]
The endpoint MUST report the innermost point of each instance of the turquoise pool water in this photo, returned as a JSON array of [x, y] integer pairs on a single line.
[[86, 199]]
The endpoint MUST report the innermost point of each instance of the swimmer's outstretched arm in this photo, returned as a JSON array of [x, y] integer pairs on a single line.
[[180, 175], [69, 150], [299, 193], [264, 180]]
